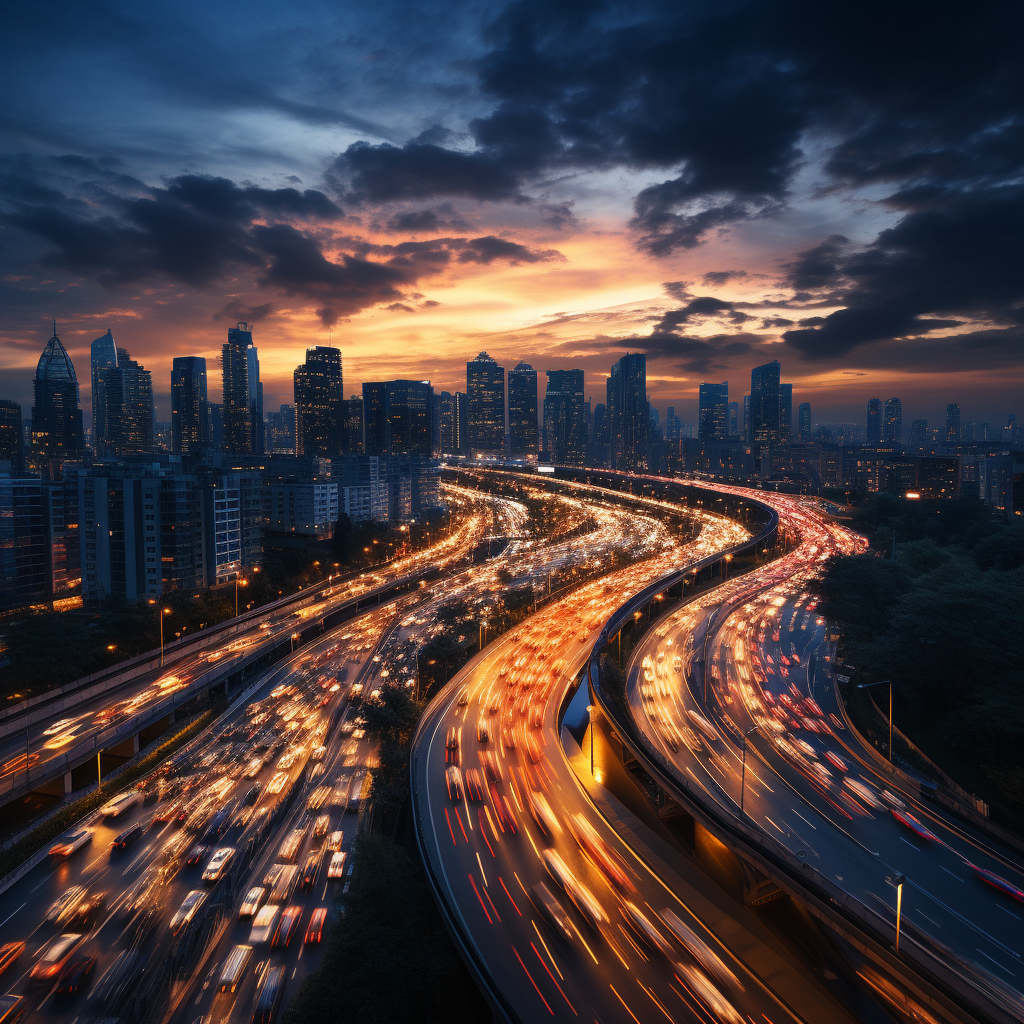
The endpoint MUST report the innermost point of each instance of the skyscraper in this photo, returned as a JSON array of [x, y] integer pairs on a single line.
[[242, 393], [745, 431], [12, 447], [765, 403], [918, 433], [375, 400], [522, 410], [734, 419], [398, 417], [627, 412], [805, 422], [281, 430], [56, 417], [128, 401], [892, 422], [713, 411], [103, 356], [352, 433], [953, 423], [447, 426], [485, 392], [565, 424], [190, 414], [785, 413], [319, 404], [874, 422]]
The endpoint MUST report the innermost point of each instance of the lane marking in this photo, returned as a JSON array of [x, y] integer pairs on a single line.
[[9, 916], [534, 984]]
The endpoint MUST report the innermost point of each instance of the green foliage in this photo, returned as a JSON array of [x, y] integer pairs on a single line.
[[943, 622], [385, 956], [392, 719]]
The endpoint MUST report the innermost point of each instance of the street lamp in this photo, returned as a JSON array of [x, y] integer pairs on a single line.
[[590, 711], [898, 880], [882, 682], [293, 638], [239, 582], [725, 567], [163, 612]]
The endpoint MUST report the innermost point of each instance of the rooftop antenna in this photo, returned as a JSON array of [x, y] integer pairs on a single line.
[[55, 328]]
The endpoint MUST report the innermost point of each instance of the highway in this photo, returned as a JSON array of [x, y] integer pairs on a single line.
[[48, 744], [514, 817], [771, 744]]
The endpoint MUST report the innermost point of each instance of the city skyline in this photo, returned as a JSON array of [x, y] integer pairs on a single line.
[[394, 182]]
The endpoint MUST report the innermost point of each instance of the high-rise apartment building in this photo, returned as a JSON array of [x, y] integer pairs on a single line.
[[522, 411], [785, 413], [319, 404], [804, 417], [766, 404], [565, 424], [281, 431], [128, 402], [56, 418], [873, 433], [485, 394], [448, 422], [918, 433], [713, 411], [745, 429], [892, 421], [626, 403], [103, 357], [352, 433], [242, 393], [398, 417], [190, 414], [953, 423], [12, 438], [734, 419]]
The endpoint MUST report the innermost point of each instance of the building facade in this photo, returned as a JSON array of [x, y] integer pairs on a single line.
[[57, 434], [319, 404], [485, 393], [713, 411], [522, 411]]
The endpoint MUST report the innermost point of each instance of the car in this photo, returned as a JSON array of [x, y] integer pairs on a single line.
[[269, 990], [264, 924], [491, 765], [542, 813], [286, 927], [252, 795], [65, 904], [86, 912], [186, 913], [277, 783], [9, 952], [254, 899], [336, 868], [75, 974], [53, 957], [310, 871], [453, 780], [322, 826], [998, 882], [234, 968], [196, 855], [315, 928], [292, 846], [453, 746], [284, 884], [907, 819], [71, 842], [553, 911], [483, 730], [474, 785], [12, 1008], [121, 803], [334, 841], [128, 837], [219, 863]]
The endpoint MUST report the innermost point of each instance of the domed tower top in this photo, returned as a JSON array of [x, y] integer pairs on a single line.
[[55, 363]]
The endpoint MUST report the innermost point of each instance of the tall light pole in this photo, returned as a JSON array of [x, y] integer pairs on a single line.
[[163, 612], [883, 682], [728, 559], [898, 880], [239, 582]]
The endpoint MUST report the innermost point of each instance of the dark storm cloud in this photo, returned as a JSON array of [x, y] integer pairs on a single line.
[[688, 353], [701, 307], [958, 259], [719, 277], [491, 248]]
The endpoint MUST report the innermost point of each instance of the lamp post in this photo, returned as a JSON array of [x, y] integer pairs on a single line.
[[163, 612], [590, 712], [239, 582], [725, 566], [883, 682], [898, 880]]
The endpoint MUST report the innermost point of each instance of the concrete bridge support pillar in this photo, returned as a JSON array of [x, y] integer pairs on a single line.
[[67, 783]]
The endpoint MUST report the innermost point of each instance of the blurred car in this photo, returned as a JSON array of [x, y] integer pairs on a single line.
[[322, 826], [196, 854], [234, 968], [286, 927], [264, 924], [334, 841], [85, 914], [310, 871], [128, 837], [71, 842], [53, 957], [315, 928], [269, 990], [998, 882], [474, 785], [121, 803], [9, 952], [907, 819], [12, 1008], [336, 869], [254, 899], [185, 914], [64, 905], [75, 974], [453, 781], [219, 863]]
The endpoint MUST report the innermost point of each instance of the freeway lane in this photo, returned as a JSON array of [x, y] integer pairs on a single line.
[[488, 842], [772, 739], [43, 747]]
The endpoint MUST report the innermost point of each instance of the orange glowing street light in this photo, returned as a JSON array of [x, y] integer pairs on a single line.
[[239, 582], [163, 612]]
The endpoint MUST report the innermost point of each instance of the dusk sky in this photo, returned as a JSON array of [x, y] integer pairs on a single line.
[[715, 184]]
